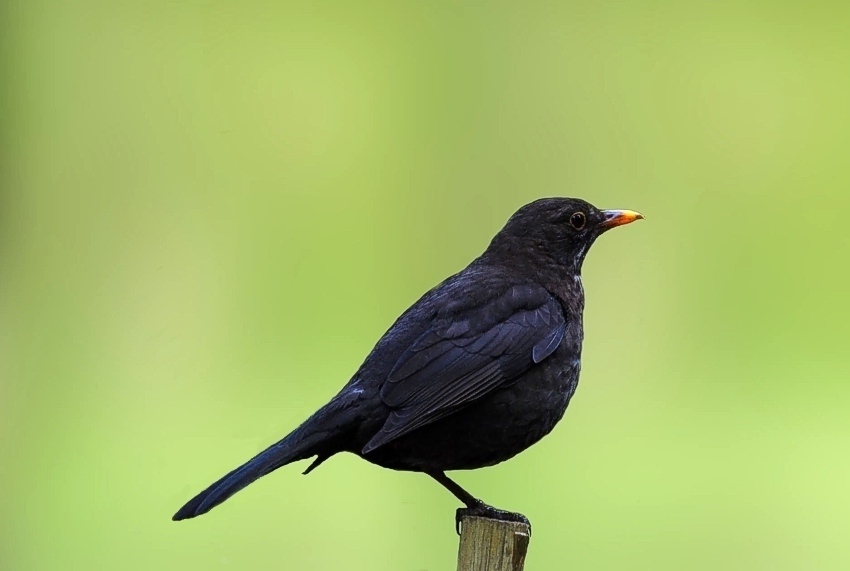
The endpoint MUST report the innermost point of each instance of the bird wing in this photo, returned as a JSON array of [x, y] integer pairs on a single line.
[[467, 353]]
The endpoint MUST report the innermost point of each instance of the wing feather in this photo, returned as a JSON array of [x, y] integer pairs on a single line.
[[464, 356]]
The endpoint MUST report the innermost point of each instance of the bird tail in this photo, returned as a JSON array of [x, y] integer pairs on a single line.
[[307, 440]]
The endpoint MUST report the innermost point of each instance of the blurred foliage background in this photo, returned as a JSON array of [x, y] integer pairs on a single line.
[[210, 211]]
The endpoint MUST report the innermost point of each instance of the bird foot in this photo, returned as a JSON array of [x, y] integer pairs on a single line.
[[481, 509]]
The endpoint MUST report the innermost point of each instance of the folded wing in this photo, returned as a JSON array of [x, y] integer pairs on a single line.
[[467, 354]]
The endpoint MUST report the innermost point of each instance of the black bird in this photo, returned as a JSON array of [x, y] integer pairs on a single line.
[[476, 371]]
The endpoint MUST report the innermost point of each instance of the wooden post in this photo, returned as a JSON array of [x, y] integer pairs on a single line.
[[492, 545]]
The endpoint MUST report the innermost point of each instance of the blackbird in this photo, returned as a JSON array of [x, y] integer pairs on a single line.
[[477, 370]]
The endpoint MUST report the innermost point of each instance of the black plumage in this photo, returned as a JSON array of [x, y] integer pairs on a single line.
[[476, 371]]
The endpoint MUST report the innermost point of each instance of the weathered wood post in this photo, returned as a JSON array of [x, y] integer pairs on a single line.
[[492, 545]]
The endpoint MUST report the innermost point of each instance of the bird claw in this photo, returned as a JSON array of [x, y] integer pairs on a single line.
[[483, 510]]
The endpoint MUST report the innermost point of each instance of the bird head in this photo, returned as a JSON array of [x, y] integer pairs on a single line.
[[556, 229]]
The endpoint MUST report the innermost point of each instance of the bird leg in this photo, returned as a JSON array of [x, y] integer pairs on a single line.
[[474, 506]]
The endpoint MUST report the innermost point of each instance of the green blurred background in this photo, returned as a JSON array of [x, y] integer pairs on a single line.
[[210, 211]]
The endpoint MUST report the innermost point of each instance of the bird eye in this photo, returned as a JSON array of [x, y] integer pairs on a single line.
[[577, 220]]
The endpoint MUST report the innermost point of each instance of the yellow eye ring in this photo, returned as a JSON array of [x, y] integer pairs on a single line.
[[578, 220]]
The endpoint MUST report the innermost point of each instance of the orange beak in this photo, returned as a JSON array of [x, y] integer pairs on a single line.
[[615, 218]]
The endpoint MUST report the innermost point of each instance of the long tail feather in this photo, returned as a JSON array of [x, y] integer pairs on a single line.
[[315, 437], [270, 459]]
